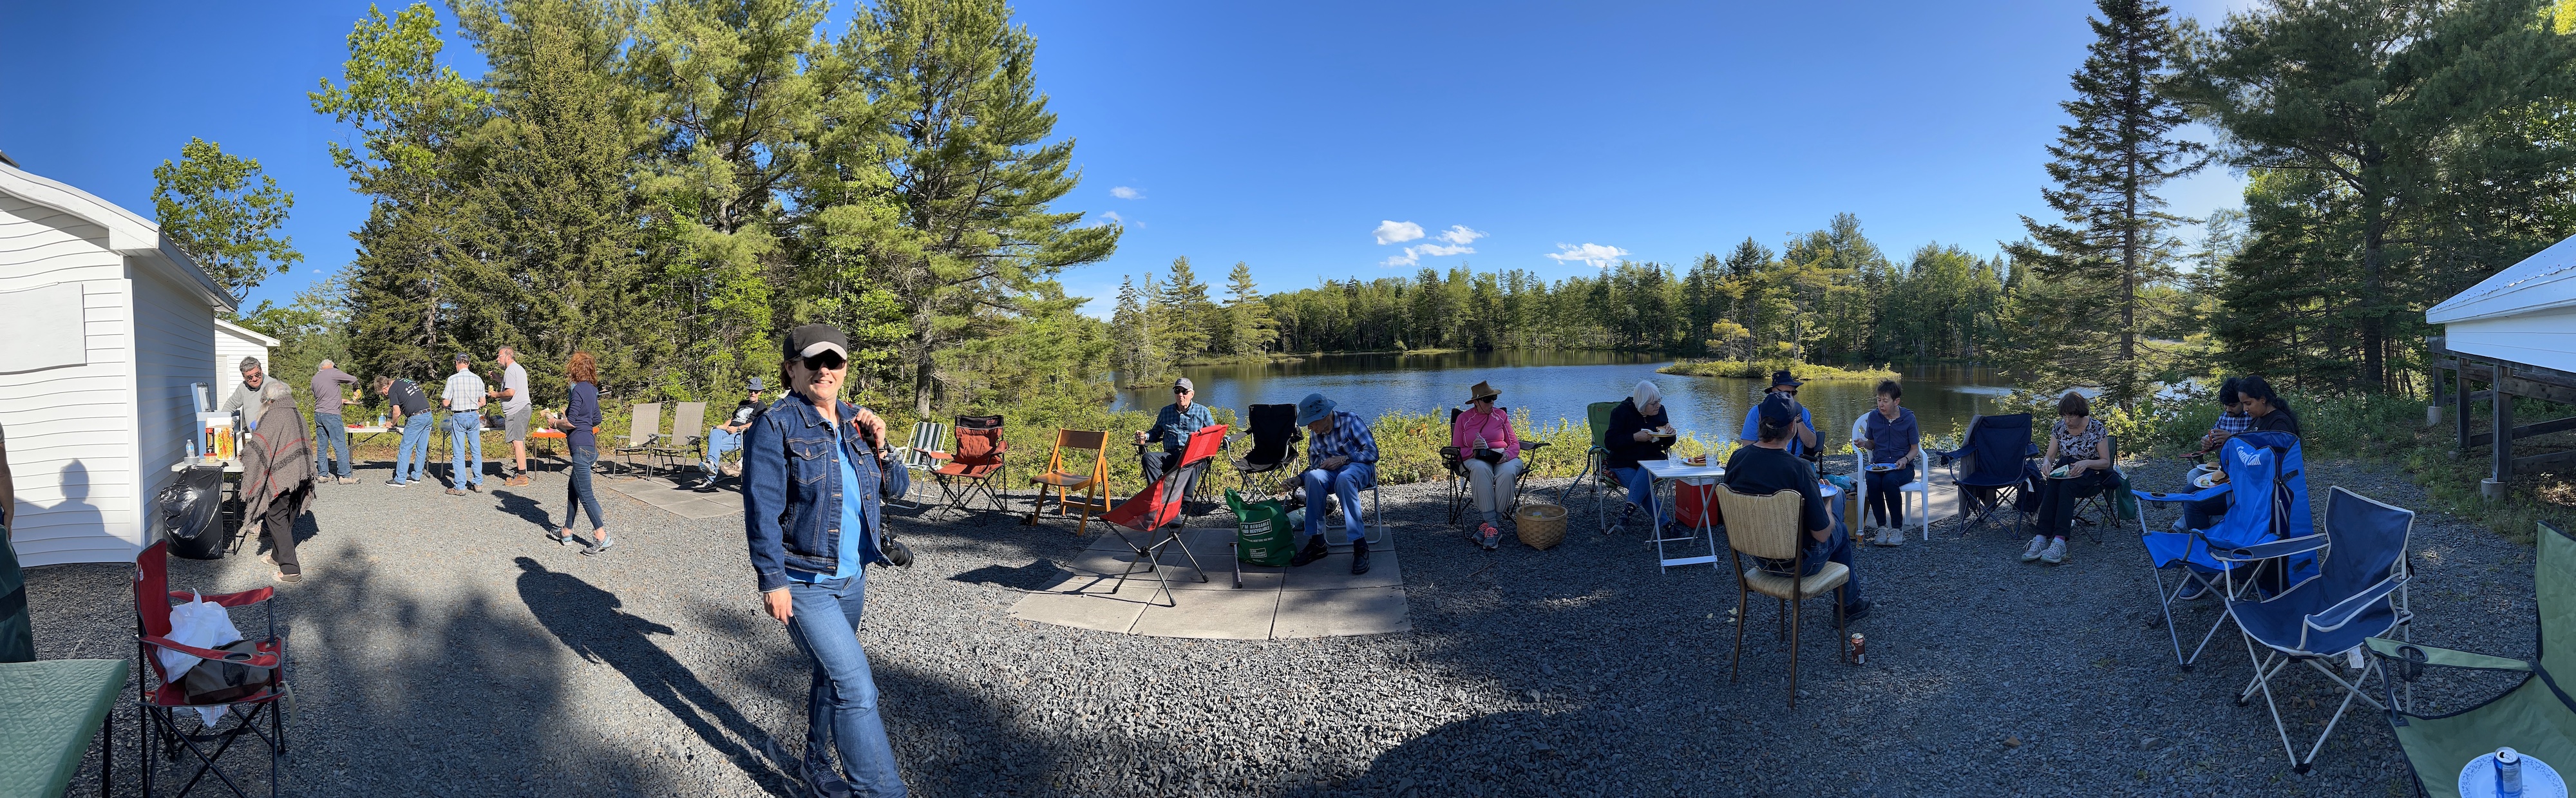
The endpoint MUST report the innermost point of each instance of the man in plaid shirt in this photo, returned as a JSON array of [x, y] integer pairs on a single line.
[[1341, 458], [463, 398]]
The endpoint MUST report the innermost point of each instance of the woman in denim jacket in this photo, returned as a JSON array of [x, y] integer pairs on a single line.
[[815, 473]]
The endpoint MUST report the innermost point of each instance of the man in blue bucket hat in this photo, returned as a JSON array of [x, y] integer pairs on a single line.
[[1341, 458]]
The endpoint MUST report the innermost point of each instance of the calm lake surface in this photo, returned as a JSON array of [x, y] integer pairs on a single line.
[[1553, 385]]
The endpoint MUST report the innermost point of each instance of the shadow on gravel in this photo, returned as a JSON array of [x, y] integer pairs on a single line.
[[587, 620], [1039, 575], [527, 509]]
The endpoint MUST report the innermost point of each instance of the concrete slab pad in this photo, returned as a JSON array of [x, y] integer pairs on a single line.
[[1214, 614], [1352, 611], [703, 509], [1334, 573], [1102, 610]]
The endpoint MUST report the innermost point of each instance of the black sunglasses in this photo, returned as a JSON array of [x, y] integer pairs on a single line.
[[824, 360]]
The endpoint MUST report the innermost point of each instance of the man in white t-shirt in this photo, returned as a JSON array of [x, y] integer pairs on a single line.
[[515, 404]]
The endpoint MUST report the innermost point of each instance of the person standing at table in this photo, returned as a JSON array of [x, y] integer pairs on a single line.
[[245, 397], [816, 472], [1640, 430], [463, 398], [1341, 460], [581, 413], [1802, 438], [515, 406], [1890, 436], [330, 433], [1767, 467], [1172, 427], [411, 410], [277, 476]]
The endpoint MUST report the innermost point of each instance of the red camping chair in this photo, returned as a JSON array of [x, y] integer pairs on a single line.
[[1160, 504], [977, 461], [160, 698]]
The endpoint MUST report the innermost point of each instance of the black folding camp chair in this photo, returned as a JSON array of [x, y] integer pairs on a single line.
[[1274, 435], [1994, 459]]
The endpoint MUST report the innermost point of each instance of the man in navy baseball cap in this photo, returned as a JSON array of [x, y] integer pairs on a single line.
[[1765, 468]]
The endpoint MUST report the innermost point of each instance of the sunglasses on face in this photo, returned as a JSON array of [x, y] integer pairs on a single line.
[[1178, 391], [826, 360]]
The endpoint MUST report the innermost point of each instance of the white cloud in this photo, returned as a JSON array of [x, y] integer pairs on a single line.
[[1601, 256], [1441, 249], [1406, 259], [1391, 232], [1114, 218], [1459, 234], [1124, 192]]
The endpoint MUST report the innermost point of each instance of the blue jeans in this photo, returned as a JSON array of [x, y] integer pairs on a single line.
[[411, 454], [1345, 483], [841, 707], [330, 434], [1837, 548], [718, 443], [1641, 492], [464, 429], [581, 498]]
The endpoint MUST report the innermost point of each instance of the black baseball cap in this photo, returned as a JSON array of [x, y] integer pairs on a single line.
[[1778, 411], [815, 339]]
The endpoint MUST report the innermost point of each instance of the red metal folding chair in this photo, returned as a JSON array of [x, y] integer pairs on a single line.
[[1160, 504], [976, 464], [160, 698]]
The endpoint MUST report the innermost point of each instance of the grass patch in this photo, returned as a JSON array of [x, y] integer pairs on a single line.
[[1762, 369]]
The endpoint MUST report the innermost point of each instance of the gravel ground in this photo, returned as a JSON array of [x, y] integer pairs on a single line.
[[442, 647]]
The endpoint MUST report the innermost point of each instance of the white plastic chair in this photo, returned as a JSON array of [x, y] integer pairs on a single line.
[[1920, 488]]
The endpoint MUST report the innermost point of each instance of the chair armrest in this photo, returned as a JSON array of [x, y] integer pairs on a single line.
[[2343, 611], [1532, 446], [2200, 495], [256, 661], [938, 455], [241, 599], [2266, 551], [1450, 454], [2448, 658]]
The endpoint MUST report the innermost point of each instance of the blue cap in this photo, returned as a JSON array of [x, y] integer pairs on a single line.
[[755, 383], [1778, 411], [1313, 408]]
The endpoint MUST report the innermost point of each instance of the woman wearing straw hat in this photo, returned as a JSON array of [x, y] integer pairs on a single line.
[[1484, 438]]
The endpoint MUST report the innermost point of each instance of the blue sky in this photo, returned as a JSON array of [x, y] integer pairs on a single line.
[[1313, 140]]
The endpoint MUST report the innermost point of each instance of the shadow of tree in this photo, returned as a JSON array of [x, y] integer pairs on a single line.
[[1038, 575]]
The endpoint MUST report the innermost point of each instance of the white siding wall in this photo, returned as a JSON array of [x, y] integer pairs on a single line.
[[174, 336], [70, 429]]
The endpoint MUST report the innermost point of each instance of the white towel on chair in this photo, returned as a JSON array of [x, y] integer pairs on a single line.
[[202, 624]]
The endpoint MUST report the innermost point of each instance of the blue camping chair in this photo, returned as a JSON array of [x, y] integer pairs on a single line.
[[2266, 477], [2358, 594], [1995, 456]]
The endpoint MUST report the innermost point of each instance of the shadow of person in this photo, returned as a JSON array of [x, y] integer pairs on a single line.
[[527, 509], [587, 620], [74, 511]]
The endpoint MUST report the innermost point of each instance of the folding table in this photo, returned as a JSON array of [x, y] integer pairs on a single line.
[[49, 711], [1664, 471]]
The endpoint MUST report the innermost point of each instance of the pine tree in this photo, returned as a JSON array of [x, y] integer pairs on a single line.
[[1248, 318], [1135, 331], [2107, 165], [1182, 314]]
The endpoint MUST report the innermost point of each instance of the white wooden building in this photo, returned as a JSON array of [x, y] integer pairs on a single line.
[[232, 343], [2515, 332], [107, 325]]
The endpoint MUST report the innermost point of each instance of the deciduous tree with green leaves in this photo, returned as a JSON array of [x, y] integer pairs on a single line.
[[224, 211]]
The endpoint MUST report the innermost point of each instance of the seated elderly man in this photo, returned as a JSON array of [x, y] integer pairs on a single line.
[[1766, 467], [1341, 458], [1172, 428]]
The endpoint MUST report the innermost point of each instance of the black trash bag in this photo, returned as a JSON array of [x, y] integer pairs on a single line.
[[192, 513]]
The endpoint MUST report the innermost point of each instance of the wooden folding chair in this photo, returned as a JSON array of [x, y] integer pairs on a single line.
[[1093, 482]]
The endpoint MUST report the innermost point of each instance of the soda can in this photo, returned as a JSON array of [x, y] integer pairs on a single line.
[[2508, 765], [1859, 650]]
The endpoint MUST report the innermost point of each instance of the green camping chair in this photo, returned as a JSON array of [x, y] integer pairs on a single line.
[[1606, 490], [2534, 717]]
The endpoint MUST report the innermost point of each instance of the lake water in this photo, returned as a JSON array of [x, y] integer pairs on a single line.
[[1553, 385]]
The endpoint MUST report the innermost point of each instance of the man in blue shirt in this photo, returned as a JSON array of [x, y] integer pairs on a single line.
[[1802, 438], [815, 477], [1172, 428]]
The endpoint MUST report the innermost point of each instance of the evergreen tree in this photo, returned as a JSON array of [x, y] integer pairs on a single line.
[[2107, 165], [224, 211], [1247, 317], [1181, 314]]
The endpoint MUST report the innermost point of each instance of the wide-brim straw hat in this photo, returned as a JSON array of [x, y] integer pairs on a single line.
[[1481, 391]]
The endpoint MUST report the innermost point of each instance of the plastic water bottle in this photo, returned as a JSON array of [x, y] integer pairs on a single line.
[[2508, 773]]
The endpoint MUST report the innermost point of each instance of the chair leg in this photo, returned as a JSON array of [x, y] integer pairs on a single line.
[[1793, 656], [1735, 664], [1783, 618], [1842, 635]]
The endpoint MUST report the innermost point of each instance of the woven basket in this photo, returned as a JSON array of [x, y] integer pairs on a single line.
[[1542, 526]]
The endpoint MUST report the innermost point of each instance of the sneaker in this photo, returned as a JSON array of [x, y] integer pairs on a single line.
[[1313, 551], [517, 481], [562, 537], [1891, 536], [730, 470], [1856, 612], [348, 480], [825, 781], [2038, 543], [474, 486], [1488, 535], [2056, 552], [283, 576], [1359, 556], [2192, 589], [397, 483], [597, 547], [455, 492]]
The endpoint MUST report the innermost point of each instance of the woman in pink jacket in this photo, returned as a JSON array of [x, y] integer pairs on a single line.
[[1484, 437]]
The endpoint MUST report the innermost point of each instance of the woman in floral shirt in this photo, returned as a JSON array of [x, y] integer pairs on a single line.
[[2078, 446]]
